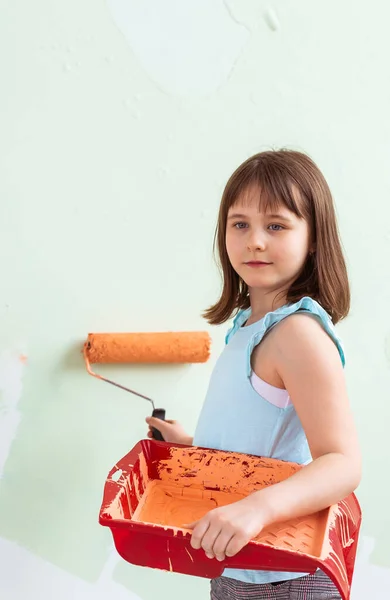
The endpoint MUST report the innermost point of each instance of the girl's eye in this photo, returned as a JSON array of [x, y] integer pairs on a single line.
[[240, 225], [275, 227]]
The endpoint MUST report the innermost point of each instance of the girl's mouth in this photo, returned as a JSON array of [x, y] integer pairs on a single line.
[[257, 263]]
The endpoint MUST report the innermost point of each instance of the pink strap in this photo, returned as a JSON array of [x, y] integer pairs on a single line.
[[276, 396]]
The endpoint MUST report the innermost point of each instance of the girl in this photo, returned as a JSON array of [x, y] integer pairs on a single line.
[[278, 388]]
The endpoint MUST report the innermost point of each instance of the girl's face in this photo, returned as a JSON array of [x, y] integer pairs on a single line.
[[267, 249]]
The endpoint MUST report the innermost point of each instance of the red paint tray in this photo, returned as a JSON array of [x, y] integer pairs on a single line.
[[158, 487]]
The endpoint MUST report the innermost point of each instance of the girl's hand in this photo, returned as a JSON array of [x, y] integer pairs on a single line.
[[171, 431], [226, 530]]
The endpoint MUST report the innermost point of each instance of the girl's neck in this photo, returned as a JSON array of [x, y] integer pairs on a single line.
[[263, 303]]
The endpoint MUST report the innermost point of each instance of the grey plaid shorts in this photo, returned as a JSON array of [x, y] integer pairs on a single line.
[[311, 587]]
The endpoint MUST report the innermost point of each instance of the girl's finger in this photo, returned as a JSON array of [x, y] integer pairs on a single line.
[[209, 538], [221, 543], [236, 543], [190, 525], [198, 533]]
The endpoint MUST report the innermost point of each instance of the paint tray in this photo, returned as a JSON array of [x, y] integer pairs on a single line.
[[158, 487]]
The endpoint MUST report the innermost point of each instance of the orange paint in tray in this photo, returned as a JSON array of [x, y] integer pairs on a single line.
[[158, 487]]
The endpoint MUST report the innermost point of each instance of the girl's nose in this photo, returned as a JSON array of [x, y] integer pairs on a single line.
[[256, 241]]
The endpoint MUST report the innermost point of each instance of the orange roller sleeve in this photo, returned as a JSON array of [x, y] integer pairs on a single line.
[[166, 347]]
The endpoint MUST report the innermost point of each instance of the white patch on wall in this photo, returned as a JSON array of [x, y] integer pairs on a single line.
[[11, 370], [23, 575], [186, 47], [369, 581]]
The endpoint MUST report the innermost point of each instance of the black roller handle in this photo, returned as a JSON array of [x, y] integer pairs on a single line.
[[158, 413]]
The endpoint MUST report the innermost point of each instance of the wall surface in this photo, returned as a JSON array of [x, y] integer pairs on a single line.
[[120, 123]]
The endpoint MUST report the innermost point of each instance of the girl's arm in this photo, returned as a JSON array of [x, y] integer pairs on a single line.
[[308, 362]]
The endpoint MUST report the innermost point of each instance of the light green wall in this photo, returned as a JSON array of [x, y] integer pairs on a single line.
[[120, 123]]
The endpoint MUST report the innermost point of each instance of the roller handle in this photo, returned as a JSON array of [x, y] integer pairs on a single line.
[[158, 413]]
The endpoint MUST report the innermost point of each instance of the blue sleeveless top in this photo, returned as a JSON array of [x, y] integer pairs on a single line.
[[236, 418]]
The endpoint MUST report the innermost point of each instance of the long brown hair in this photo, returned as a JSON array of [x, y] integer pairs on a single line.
[[292, 179]]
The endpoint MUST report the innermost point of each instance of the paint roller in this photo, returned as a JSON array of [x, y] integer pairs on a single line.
[[148, 348]]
